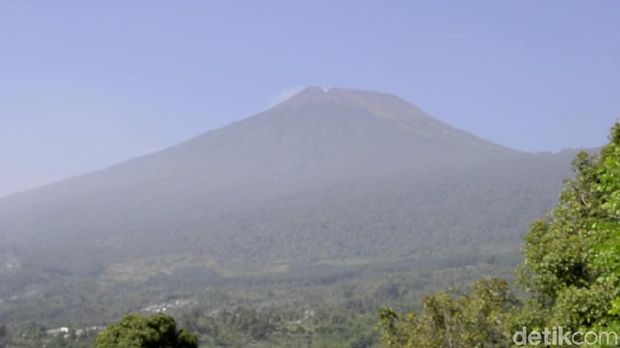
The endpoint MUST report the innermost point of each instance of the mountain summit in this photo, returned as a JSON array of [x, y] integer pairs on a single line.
[[381, 105], [325, 175], [335, 132]]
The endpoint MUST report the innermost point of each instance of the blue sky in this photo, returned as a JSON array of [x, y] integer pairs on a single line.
[[84, 84]]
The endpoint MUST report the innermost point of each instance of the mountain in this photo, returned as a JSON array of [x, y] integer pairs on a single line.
[[326, 176]]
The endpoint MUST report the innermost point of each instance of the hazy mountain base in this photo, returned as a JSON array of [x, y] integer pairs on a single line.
[[306, 205], [322, 176], [365, 220], [334, 305], [321, 283]]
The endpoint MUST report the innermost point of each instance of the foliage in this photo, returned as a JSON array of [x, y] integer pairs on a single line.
[[572, 258], [570, 272], [270, 307], [476, 319], [155, 331]]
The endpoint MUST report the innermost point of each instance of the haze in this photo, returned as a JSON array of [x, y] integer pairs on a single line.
[[85, 84]]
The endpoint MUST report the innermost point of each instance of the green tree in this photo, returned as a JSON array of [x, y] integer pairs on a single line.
[[570, 272], [476, 319], [571, 264], [155, 331]]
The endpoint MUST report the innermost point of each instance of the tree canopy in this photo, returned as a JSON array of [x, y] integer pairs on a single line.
[[470, 320], [571, 262], [570, 273], [155, 331]]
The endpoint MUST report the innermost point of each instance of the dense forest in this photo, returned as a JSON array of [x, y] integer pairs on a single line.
[[291, 227], [568, 278], [310, 174]]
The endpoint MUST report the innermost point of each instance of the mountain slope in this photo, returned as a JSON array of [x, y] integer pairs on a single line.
[[326, 175]]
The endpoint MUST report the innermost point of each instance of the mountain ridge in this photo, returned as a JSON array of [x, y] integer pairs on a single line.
[[310, 94], [300, 181]]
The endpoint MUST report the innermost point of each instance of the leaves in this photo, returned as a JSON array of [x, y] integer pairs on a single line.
[[570, 272], [476, 319], [156, 331]]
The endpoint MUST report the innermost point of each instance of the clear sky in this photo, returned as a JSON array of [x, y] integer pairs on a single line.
[[84, 84]]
